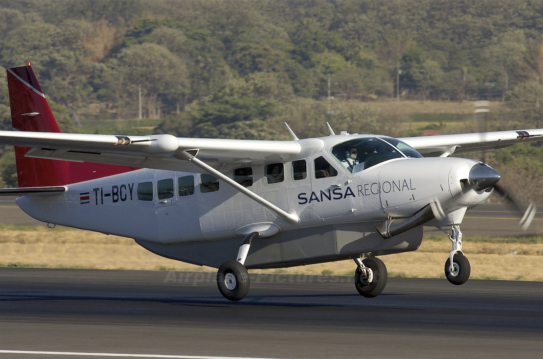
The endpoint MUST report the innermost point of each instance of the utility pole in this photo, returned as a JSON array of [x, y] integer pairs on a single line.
[[328, 93], [139, 100], [538, 93], [397, 80]]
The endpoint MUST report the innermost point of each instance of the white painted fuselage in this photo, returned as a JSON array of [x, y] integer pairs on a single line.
[[396, 188]]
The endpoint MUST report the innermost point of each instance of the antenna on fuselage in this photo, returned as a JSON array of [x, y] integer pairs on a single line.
[[294, 137], [330, 129]]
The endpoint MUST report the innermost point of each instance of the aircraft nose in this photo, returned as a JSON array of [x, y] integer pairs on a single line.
[[483, 176]]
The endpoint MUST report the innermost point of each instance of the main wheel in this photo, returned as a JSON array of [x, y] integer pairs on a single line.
[[461, 269], [233, 280], [379, 281]]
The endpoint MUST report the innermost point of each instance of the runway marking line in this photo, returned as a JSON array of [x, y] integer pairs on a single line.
[[473, 211], [518, 219], [118, 355]]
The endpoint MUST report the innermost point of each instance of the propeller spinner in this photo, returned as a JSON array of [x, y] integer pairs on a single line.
[[483, 177]]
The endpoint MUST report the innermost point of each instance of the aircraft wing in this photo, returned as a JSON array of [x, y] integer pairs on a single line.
[[445, 145], [154, 151]]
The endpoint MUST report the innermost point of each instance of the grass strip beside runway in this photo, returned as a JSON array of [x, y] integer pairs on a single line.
[[498, 258]]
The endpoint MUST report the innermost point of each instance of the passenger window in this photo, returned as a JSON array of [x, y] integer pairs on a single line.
[[185, 185], [275, 173], [208, 183], [164, 188], [145, 191], [299, 170], [244, 176], [323, 169]]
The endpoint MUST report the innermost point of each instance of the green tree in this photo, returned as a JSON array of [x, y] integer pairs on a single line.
[[181, 125], [237, 108], [156, 69], [459, 84], [10, 20], [61, 58], [227, 110], [8, 168], [526, 95], [271, 86], [248, 58], [310, 41], [429, 78], [202, 53], [361, 83], [304, 81], [329, 62], [503, 57]]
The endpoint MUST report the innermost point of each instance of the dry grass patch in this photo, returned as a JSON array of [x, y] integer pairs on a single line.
[[41, 247], [78, 248]]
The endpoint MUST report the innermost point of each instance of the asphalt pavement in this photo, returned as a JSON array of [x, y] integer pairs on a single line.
[[182, 313], [10, 213]]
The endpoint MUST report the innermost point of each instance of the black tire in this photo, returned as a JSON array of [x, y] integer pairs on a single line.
[[234, 275], [462, 269], [379, 282]]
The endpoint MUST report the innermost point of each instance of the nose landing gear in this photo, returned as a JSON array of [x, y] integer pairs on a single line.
[[457, 267]]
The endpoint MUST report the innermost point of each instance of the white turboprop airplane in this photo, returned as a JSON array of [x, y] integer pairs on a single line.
[[243, 204]]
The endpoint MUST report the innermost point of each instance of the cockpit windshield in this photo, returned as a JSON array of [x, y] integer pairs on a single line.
[[363, 153]]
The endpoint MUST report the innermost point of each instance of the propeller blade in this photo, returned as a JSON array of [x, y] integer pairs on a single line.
[[481, 110], [528, 215], [438, 211]]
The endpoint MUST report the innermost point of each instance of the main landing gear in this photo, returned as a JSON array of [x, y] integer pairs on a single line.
[[232, 277], [370, 278], [457, 267]]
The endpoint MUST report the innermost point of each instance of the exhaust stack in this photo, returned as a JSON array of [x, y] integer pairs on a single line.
[[393, 227]]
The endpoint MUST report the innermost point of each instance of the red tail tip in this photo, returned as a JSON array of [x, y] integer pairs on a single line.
[[28, 63]]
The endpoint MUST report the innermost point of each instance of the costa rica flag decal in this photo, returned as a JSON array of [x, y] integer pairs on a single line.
[[84, 198]]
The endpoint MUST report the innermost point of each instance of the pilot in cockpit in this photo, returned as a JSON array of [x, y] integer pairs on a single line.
[[351, 158]]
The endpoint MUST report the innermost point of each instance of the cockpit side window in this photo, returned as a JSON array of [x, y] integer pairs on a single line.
[[403, 147], [362, 153]]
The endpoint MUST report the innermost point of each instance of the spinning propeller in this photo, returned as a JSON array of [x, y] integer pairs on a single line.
[[482, 177]]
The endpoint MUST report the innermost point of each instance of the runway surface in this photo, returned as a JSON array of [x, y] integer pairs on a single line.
[[181, 313], [486, 220], [10, 213]]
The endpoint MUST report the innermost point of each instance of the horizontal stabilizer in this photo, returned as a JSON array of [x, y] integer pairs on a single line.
[[32, 191]]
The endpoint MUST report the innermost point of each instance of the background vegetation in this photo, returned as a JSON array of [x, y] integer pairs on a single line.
[[39, 247], [239, 69]]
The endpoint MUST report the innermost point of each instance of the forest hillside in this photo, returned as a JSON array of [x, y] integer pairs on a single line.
[[240, 69]]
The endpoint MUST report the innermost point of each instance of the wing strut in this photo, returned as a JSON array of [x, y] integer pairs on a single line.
[[291, 217]]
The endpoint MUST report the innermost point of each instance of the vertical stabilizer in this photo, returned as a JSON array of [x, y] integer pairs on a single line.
[[31, 112]]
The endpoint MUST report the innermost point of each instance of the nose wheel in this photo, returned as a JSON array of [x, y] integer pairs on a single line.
[[457, 267], [457, 273]]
